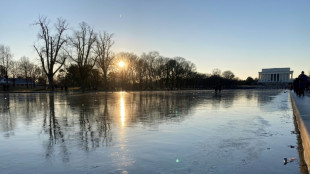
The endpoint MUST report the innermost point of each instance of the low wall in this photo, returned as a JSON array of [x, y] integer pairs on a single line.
[[304, 132], [22, 87]]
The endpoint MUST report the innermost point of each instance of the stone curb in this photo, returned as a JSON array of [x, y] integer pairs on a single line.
[[303, 122]]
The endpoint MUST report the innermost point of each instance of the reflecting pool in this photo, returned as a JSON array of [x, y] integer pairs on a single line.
[[238, 131]]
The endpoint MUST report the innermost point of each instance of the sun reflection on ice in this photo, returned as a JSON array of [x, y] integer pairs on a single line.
[[122, 110]]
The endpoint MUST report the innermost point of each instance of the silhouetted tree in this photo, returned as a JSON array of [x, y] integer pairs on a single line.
[[216, 72], [171, 73], [83, 55], [228, 75], [50, 49], [35, 74], [132, 69], [2, 71], [249, 81], [14, 70], [26, 68], [140, 67], [104, 55], [5, 58], [73, 76], [128, 73], [149, 62], [61, 77]]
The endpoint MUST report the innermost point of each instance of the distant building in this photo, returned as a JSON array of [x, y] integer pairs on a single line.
[[17, 82], [275, 75], [3, 81]]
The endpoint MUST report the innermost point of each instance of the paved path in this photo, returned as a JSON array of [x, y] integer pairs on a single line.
[[301, 107]]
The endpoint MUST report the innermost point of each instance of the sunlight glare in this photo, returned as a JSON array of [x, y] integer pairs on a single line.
[[121, 64], [122, 111]]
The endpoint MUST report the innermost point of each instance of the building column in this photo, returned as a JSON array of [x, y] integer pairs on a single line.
[[288, 76], [263, 78], [292, 75], [275, 77], [282, 79]]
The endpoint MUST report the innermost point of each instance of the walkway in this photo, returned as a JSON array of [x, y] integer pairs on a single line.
[[301, 107]]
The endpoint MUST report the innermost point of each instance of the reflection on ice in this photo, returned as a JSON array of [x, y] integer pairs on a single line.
[[146, 132], [122, 104]]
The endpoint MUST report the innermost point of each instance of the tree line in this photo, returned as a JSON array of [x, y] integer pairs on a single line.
[[85, 59]]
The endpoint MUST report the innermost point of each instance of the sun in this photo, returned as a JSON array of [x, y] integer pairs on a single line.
[[121, 64]]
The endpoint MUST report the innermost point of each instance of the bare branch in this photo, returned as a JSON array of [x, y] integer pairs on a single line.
[[51, 45]]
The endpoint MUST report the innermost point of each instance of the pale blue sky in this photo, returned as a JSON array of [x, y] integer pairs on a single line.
[[243, 36]]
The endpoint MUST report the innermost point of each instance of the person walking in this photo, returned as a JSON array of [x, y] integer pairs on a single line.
[[302, 83]]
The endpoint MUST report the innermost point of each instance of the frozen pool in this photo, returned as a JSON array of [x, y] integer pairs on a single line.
[[239, 131]]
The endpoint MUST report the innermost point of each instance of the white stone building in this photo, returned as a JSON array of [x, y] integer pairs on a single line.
[[275, 75]]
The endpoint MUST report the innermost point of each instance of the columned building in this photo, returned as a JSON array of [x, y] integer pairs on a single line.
[[275, 75]]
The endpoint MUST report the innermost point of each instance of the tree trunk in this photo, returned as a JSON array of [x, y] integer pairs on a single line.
[[51, 82], [105, 80], [7, 82]]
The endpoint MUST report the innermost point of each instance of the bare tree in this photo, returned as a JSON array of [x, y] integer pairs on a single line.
[[141, 71], [128, 73], [5, 58], [171, 69], [131, 68], [185, 71], [27, 68], [35, 74], [216, 72], [14, 70], [228, 75], [160, 70], [50, 49], [104, 54], [150, 59], [83, 55]]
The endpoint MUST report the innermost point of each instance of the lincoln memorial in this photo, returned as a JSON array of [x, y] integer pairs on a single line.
[[275, 75]]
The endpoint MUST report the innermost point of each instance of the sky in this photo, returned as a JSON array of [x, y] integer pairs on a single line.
[[242, 36]]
